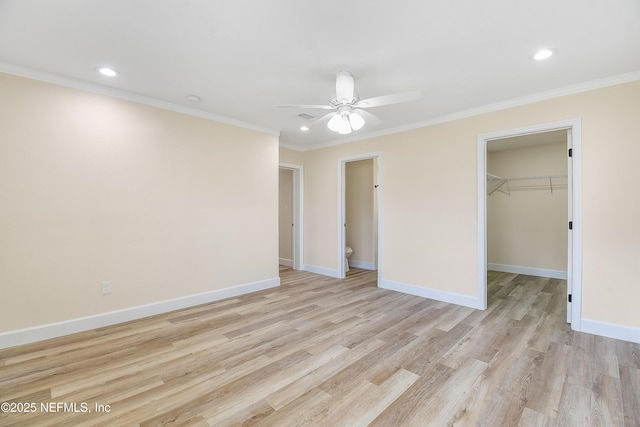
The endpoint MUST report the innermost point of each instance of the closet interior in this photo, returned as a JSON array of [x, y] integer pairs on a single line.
[[527, 205]]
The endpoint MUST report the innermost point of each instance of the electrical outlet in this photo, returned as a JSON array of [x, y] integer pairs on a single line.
[[106, 287]]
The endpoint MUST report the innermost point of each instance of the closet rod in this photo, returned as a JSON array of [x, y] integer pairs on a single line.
[[536, 177], [500, 183]]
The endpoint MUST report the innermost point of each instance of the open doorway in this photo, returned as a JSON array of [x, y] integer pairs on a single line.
[[290, 216], [359, 202], [527, 211], [549, 263]]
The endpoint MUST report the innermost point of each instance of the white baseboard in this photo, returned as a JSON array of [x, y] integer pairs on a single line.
[[67, 327], [362, 264], [434, 294], [540, 272], [286, 262], [610, 330], [321, 270]]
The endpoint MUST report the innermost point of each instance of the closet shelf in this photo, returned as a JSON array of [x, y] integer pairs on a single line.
[[507, 185]]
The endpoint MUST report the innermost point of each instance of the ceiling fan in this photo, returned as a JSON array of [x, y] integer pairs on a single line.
[[349, 113]]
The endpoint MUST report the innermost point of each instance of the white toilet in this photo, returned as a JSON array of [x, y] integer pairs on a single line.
[[347, 253]]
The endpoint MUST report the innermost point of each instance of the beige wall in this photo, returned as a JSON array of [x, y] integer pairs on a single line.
[[285, 210], [359, 191], [427, 191], [528, 227], [291, 156], [429, 199], [95, 188]]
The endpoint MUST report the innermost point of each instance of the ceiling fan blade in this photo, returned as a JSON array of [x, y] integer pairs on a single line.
[[395, 98], [323, 107], [344, 87], [368, 117]]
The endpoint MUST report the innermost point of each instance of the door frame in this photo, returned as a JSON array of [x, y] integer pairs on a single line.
[[297, 207], [574, 247], [342, 164]]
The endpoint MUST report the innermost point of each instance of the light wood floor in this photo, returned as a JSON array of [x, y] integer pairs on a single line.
[[327, 352]]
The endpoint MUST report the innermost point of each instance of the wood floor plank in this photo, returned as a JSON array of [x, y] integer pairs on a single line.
[[417, 397], [606, 402], [284, 375], [320, 351], [362, 407], [283, 396], [516, 386], [300, 412], [630, 390], [445, 394], [549, 379], [531, 418], [481, 343]]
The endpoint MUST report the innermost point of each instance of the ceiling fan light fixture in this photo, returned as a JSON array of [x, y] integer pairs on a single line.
[[356, 121], [345, 126], [334, 122]]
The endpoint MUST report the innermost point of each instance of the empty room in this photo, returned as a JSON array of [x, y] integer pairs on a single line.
[[337, 213]]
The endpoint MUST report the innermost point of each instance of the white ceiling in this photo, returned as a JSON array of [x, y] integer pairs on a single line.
[[243, 56]]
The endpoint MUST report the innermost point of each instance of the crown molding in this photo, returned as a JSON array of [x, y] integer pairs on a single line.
[[516, 102], [127, 96]]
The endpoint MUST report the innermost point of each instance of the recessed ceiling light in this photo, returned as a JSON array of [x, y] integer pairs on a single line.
[[544, 53], [304, 128], [107, 71], [193, 98]]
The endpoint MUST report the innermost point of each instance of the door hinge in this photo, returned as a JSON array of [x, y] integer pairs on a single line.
[[570, 152], [570, 225], [569, 297]]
